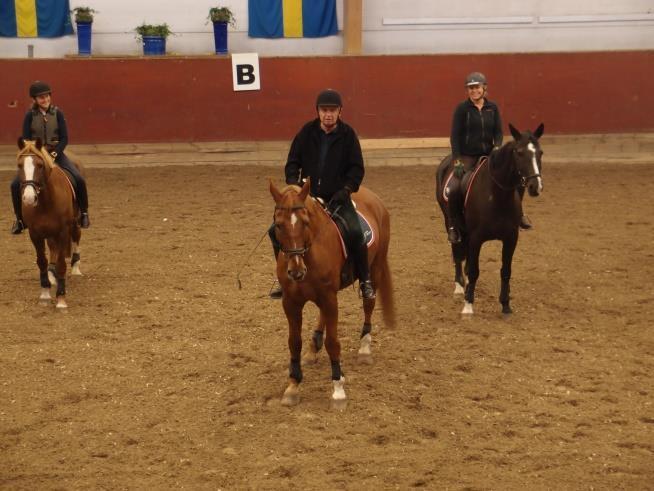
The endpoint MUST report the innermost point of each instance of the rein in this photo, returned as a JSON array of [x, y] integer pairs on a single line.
[[522, 182]]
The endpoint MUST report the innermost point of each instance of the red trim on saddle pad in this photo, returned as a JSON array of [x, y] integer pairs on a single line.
[[72, 188], [481, 163]]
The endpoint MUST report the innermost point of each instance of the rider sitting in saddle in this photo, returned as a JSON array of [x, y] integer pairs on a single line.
[[47, 122], [327, 150], [476, 131]]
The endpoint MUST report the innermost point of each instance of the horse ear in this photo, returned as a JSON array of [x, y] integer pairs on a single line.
[[516, 134], [38, 143], [305, 189], [539, 131], [21, 142], [277, 196]]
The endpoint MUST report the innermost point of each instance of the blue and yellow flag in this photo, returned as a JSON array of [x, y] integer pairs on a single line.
[[35, 18], [292, 18]]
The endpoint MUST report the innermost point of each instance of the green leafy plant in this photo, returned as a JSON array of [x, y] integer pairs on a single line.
[[161, 30], [83, 14], [222, 14]]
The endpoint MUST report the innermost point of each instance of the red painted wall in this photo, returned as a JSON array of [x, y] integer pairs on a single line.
[[191, 99]]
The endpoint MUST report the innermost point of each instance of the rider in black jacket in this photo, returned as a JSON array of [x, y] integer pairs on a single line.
[[328, 151], [48, 123], [476, 131]]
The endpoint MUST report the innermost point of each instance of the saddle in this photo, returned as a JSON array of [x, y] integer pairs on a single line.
[[347, 272], [72, 182], [466, 181]]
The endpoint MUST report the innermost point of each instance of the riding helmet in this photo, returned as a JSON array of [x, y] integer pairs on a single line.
[[39, 88], [329, 97], [475, 78]]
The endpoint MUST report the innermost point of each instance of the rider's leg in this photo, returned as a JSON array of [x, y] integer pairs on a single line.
[[18, 225], [525, 223], [453, 209], [82, 195], [358, 249], [276, 290]]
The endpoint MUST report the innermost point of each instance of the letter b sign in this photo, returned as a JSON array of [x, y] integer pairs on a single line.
[[245, 71]]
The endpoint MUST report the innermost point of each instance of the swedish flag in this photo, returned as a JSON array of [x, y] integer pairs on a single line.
[[35, 18], [292, 18]]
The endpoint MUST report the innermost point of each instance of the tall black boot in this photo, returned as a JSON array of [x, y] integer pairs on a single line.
[[361, 264], [276, 289], [452, 210], [18, 225]]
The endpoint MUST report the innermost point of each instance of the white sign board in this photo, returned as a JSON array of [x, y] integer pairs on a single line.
[[245, 71]]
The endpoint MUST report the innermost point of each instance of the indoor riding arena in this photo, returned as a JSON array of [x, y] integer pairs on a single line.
[[168, 367]]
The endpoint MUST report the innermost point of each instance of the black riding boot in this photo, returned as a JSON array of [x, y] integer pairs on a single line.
[[361, 263], [453, 210], [18, 225], [83, 200], [453, 234], [276, 289]]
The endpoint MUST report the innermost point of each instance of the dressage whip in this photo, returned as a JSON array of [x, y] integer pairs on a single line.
[[238, 275]]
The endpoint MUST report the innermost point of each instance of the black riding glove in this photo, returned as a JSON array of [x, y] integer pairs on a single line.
[[341, 196]]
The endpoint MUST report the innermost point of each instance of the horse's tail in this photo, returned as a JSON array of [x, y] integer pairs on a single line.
[[385, 289]]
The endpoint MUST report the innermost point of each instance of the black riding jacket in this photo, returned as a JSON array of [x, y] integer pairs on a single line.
[[475, 132], [340, 167]]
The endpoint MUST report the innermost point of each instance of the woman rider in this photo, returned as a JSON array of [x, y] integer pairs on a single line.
[[48, 123], [476, 131]]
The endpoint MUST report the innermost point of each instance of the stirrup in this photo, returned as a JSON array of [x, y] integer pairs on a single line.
[[17, 227], [84, 221], [453, 235], [276, 291], [525, 223], [367, 291]]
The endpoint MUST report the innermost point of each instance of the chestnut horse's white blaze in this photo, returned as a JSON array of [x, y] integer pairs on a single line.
[[29, 192]]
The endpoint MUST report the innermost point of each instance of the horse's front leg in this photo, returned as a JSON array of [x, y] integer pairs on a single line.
[[472, 264], [75, 260], [458, 256], [508, 248], [317, 340], [329, 311], [42, 263], [293, 313]]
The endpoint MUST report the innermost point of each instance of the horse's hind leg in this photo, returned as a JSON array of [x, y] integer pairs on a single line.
[[75, 259], [472, 264], [57, 250], [508, 248], [317, 339], [42, 262], [365, 343]]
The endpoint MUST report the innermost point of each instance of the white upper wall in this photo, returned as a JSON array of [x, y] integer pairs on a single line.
[[389, 27]]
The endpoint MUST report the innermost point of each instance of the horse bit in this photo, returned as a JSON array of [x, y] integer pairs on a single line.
[[298, 251]]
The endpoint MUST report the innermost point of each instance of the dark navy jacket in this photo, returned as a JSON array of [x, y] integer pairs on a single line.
[[475, 132], [343, 162]]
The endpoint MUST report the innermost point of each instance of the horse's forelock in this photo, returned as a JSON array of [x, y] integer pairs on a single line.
[[30, 149]]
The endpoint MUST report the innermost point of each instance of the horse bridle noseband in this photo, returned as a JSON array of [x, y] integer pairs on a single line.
[[523, 179], [298, 251]]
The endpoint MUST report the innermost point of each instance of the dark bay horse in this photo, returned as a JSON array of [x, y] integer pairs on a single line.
[[309, 269], [493, 207], [50, 214]]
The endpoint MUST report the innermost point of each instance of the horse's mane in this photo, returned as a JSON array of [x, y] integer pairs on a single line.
[[30, 148]]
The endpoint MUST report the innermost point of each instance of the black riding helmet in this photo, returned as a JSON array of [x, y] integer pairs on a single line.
[[329, 97], [39, 88]]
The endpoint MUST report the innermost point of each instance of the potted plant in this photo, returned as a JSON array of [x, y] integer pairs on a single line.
[[221, 16], [153, 37], [84, 20]]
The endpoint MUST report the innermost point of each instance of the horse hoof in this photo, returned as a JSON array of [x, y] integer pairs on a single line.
[[61, 304], [458, 289], [339, 390], [45, 296], [75, 271], [338, 404], [291, 396], [506, 310], [467, 309], [365, 349]]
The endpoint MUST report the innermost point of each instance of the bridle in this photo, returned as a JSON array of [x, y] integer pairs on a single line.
[[522, 182], [36, 185], [298, 251]]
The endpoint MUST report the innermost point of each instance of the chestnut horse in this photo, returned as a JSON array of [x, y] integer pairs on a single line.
[[493, 207], [50, 213], [309, 269]]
